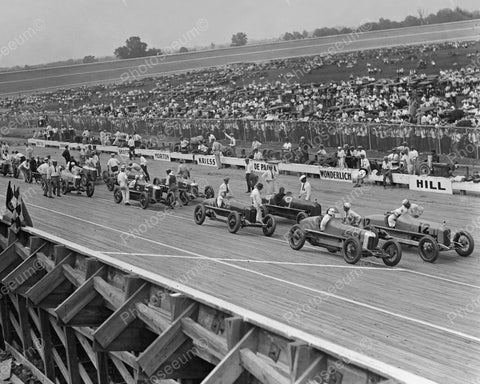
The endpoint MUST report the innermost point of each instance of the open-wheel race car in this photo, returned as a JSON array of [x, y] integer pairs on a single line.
[[354, 242], [189, 190], [237, 215], [431, 238], [147, 194], [291, 208], [79, 184]]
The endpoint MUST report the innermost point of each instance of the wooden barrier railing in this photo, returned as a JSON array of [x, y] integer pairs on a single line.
[[81, 317]]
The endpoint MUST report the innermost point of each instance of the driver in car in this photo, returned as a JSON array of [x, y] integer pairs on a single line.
[[351, 217], [326, 219], [396, 213]]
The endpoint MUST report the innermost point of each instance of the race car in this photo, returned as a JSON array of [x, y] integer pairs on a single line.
[[354, 242], [147, 194], [431, 238], [189, 191], [237, 215], [291, 208], [80, 184]]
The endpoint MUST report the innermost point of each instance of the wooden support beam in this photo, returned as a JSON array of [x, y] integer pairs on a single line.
[[24, 361], [87, 347], [78, 300], [74, 276], [46, 261], [102, 368], [45, 332], [121, 318], [166, 344], [24, 323], [60, 252], [178, 304], [230, 369], [60, 364], [316, 367], [132, 284], [152, 317], [263, 372], [112, 295], [7, 331], [17, 280], [12, 236], [72, 356], [235, 328], [22, 251], [122, 370], [49, 282], [205, 339], [9, 260], [35, 244], [300, 357]]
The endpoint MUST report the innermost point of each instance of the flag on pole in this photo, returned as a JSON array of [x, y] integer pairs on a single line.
[[20, 215], [8, 200]]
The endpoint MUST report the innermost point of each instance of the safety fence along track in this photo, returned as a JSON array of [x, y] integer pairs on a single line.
[[74, 315]]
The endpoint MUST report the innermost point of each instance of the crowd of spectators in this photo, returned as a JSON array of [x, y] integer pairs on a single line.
[[412, 102]]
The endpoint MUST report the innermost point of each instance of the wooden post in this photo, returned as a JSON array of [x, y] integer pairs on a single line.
[[102, 368], [48, 362], [24, 324], [72, 356], [7, 335]]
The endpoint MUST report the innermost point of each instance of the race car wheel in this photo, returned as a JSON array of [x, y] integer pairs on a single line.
[[264, 211], [184, 198], [209, 193], [352, 250], [143, 199], [105, 176], [63, 186], [117, 195], [465, 241], [90, 187], [110, 184], [195, 191], [428, 249], [269, 225], [199, 214], [296, 237], [156, 181], [170, 199], [424, 169], [392, 253], [233, 222], [301, 216], [83, 180]]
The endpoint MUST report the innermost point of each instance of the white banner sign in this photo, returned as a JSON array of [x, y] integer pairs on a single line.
[[261, 166], [209, 161], [39, 143], [431, 184], [336, 174], [163, 156]]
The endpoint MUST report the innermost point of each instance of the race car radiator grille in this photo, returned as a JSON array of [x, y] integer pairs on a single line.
[[371, 242], [446, 237]]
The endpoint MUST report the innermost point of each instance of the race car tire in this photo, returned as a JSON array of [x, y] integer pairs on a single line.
[[105, 176], [296, 237], [176, 148], [424, 169], [467, 245], [428, 249], [377, 234], [117, 195], [209, 192], [83, 180], [144, 201], [352, 250], [63, 186], [90, 188], [394, 252], [301, 216], [269, 225], [199, 214], [195, 191], [170, 199], [233, 222], [184, 198], [110, 185], [156, 181]]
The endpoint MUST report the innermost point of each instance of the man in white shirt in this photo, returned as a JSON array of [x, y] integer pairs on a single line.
[[42, 170], [232, 144], [53, 179], [143, 165], [122, 179], [341, 157], [248, 174], [412, 161], [257, 201], [112, 164], [305, 189], [225, 187], [131, 147], [387, 171]]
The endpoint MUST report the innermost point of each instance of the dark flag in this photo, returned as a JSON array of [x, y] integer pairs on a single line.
[[26, 219], [17, 210], [8, 200]]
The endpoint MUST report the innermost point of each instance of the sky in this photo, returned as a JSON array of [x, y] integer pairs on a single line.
[[41, 31]]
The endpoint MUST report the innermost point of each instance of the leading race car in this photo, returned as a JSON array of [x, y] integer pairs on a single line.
[[237, 215], [354, 242], [146, 194], [189, 190], [290, 207], [430, 237]]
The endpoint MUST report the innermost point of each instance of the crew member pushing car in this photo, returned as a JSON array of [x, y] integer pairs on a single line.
[[351, 217]]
